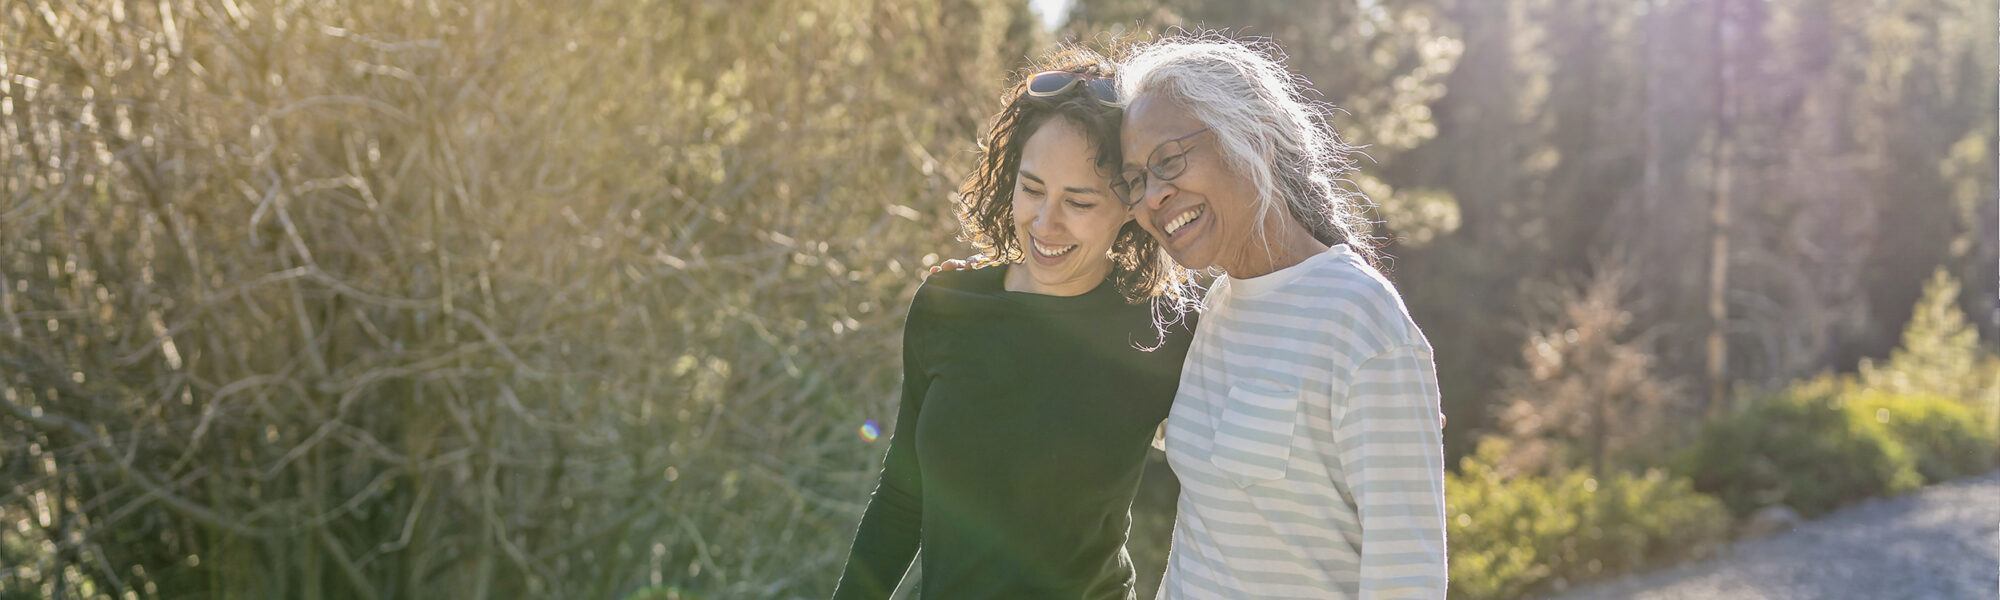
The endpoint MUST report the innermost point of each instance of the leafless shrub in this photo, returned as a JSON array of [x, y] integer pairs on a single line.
[[1587, 393], [460, 299]]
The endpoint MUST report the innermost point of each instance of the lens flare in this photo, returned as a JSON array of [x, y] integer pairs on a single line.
[[870, 431]]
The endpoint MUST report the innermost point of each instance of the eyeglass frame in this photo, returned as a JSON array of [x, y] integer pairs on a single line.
[[1123, 189]]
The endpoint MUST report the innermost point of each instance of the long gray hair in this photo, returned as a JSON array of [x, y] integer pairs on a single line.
[[1265, 127]]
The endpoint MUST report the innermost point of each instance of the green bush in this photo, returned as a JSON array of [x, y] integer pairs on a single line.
[[1515, 535], [1944, 436], [1803, 450]]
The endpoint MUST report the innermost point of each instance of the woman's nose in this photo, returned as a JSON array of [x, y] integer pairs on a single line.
[[1155, 194], [1046, 215]]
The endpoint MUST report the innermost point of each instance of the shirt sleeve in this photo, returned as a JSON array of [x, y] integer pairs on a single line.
[[891, 528], [1392, 454]]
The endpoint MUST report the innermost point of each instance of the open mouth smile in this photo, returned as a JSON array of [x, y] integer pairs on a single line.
[[1184, 219], [1050, 251]]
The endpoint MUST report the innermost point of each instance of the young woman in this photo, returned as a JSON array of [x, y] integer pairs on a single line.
[[1029, 394], [1306, 432]]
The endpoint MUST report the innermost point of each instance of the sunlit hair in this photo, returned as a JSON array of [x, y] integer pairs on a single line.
[[1140, 269], [1265, 128]]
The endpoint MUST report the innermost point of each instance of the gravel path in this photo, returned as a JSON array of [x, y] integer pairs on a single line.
[[1939, 542]]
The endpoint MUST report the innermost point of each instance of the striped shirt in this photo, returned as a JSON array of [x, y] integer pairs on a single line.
[[1307, 441]]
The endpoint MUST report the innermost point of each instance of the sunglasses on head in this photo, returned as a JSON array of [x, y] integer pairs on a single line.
[[1049, 84]]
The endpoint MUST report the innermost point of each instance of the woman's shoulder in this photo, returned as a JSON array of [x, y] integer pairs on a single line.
[[1358, 298], [983, 278], [981, 281], [967, 290]]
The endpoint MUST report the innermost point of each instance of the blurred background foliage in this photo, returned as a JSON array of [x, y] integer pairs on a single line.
[[441, 298]]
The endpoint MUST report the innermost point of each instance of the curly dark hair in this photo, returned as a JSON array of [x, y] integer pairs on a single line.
[[1140, 269]]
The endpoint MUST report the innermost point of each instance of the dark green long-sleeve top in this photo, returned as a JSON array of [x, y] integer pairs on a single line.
[[1019, 444]]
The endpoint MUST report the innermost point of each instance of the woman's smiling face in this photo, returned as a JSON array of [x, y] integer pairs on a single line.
[[1206, 215], [1064, 215]]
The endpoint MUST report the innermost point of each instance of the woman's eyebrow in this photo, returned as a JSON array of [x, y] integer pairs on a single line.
[[1075, 189]]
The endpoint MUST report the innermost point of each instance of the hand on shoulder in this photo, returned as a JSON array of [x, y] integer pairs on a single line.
[[975, 261]]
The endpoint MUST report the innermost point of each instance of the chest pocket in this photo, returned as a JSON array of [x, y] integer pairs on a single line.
[[1253, 434]]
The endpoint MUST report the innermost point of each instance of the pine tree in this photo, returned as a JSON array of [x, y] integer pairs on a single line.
[[1940, 349]]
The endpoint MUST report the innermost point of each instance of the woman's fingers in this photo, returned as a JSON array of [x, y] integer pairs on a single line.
[[954, 264]]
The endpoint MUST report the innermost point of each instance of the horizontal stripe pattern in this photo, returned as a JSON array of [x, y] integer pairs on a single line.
[[1306, 439]]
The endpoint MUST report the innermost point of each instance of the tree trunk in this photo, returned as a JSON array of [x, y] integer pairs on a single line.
[[1718, 221]]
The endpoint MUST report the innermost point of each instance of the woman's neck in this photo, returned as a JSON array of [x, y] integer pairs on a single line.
[[1287, 243], [1020, 279]]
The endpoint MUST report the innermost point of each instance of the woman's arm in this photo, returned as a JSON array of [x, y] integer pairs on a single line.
[[891, 528], [1393, 455]]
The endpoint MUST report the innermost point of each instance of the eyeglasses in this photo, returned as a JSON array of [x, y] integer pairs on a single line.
[[1130, 185], [1049, 84]]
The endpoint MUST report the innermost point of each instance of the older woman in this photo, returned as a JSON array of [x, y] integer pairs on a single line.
[[1032, 389], [1305, 432]]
